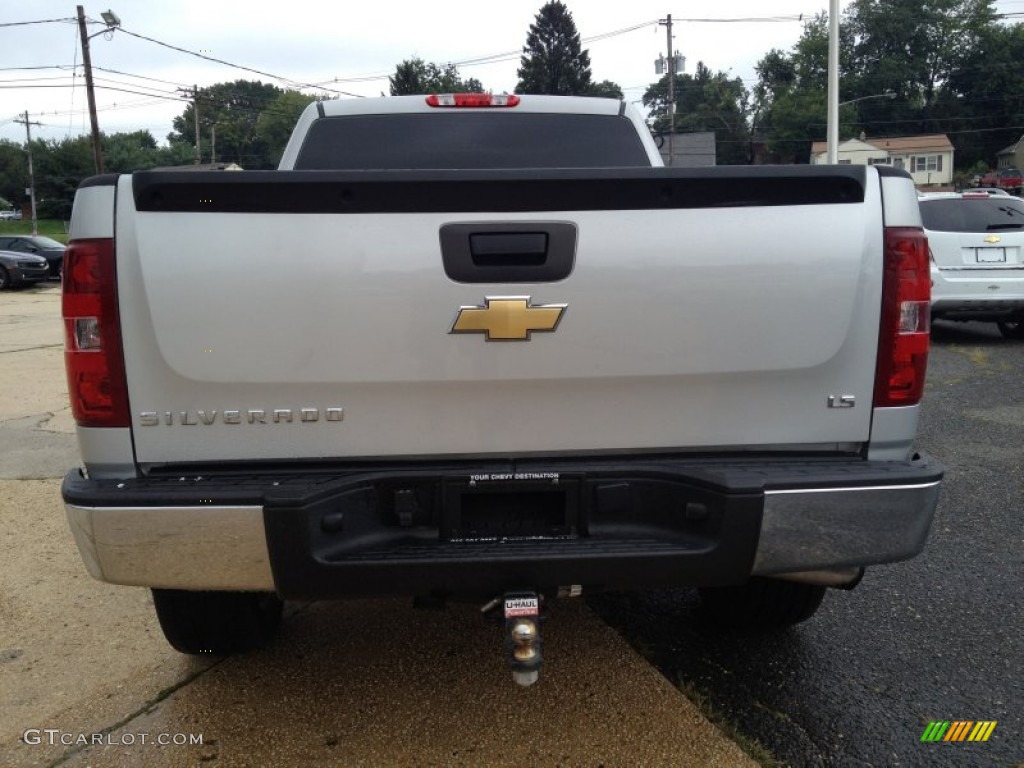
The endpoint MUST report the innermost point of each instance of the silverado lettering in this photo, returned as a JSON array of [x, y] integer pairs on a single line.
[[254, 416]]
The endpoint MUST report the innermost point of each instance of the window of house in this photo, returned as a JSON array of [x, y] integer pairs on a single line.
[[879, 161], [926, 163]]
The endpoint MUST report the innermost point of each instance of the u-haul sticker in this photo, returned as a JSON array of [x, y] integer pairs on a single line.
[[521, 606]]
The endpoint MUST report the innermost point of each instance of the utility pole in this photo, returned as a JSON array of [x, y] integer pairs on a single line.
[[195, 110], [97, 150], [31, 173], [832, 118], [213, 144], [667, 22], [195, 114]]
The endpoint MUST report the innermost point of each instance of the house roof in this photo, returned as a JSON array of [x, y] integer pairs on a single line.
[[1010, 149], [935, 142]]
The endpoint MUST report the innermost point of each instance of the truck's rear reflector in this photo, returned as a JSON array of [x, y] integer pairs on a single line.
[[472, 100], [905, 324], [93, 354]]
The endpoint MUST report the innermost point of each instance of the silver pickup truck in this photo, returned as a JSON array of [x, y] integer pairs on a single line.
[[486, 347]]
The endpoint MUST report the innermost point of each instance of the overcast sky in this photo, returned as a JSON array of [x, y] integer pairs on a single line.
[[348, 47]]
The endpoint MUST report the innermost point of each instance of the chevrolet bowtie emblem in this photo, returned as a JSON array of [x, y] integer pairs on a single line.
[[508, 318], [992, 239]]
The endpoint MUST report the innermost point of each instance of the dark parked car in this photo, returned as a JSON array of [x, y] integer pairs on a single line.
[[46, 247], [21, 269]]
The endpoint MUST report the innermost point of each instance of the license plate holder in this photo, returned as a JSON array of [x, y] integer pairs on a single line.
[[990, 255], [496, 510]]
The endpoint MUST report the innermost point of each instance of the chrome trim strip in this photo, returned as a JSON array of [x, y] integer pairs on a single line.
[[848, 490], [196, 547]]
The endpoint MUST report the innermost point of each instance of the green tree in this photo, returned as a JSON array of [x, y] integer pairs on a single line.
[[235, 109], [789, 100], [415, 76], [935, 55], [912, 47], [706, 101], [59, 168], [276, 122], [127, 152], [605, 89], [553, 61], [13, 172], [982, 105], [175, 153]]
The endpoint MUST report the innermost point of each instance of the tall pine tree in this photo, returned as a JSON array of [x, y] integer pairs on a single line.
[[552, 61]]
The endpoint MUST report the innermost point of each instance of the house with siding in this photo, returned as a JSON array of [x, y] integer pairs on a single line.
[[929, 159], [1011, 156]]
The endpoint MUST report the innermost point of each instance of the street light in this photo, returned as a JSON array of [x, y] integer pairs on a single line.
[[832, 145], [886, 95]]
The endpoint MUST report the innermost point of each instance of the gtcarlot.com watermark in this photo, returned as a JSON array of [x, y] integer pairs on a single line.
[[56, 737]]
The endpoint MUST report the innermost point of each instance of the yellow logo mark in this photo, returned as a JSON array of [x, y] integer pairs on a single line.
[[508, 318], [992, 239]]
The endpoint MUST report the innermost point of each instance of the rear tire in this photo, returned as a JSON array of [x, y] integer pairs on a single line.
[[1012, 329], [217, 622], [5, 279], [761, 604]]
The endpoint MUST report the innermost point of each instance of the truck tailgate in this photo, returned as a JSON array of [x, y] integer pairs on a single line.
[[284, 331]]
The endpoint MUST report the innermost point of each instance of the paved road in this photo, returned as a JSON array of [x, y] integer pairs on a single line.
[[940, 637], [368, 682], [35, 419]]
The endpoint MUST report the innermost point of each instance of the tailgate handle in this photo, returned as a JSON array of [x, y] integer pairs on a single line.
[[509, 249], [508, 252]]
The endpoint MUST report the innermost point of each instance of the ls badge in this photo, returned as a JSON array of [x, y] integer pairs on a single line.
[[508, 318]]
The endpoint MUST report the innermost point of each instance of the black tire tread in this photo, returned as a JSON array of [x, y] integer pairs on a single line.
[[762, 603], [217, 622]]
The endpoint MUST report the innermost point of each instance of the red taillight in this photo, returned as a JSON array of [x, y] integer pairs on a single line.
[[472, 100], [93, 354], [906, 317]]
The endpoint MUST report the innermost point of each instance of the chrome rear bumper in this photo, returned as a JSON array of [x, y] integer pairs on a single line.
[[670, 522]]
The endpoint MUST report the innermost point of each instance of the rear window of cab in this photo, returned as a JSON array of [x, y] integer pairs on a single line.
[[471, 140]]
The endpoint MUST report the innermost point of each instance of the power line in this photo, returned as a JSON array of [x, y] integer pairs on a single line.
[[492, 58], [141, 77], [236, 66], [38, 21], [45, 66], [98, 87]]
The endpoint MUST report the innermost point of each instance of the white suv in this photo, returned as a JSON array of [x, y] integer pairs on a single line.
[[976, 243]]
